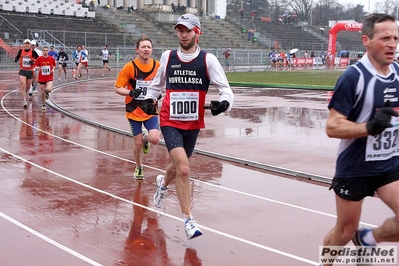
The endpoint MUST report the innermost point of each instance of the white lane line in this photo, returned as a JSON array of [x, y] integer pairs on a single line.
[[49, 240], [277, 201], [166, 214], [163, 171]]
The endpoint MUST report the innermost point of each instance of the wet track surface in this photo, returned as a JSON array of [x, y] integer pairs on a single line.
[[68, 196]]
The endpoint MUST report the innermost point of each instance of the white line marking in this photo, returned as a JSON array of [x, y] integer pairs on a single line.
[[276, 201], [49, 240], [164, 213]]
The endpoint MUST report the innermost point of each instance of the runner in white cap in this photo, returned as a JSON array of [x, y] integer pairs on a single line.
[[185, 74]]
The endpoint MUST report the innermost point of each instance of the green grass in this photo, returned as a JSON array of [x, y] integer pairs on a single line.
[[309, 79]]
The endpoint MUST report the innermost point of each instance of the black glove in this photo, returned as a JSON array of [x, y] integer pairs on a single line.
[[159, 97], [150, 107], [381, 121], [217, 107], [135, 93]]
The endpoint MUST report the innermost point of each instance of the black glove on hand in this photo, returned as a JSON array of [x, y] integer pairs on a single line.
[[159, 97], [381, 121], [218, 107], [135, 93], [150, 107]]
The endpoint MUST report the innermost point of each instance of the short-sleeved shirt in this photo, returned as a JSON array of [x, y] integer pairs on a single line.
[[46, 64], [358, 94]]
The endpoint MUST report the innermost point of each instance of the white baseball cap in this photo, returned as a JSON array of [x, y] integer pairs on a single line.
[[27, 41], [33, 42], [188, 20]]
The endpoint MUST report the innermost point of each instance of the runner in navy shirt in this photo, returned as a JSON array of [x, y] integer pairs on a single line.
[[364, 115]]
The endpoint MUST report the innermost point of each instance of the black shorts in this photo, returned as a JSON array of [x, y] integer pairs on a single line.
[[26, 73], [105, 62], [175, 137], [63, 64], [357, 188]]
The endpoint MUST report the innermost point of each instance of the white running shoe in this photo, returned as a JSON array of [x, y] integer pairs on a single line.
[[192, 229], [160, 194]]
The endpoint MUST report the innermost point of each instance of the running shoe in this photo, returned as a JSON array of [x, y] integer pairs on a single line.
[[146, 146], [160, 194], [25, 104], [358, 237], [47, 95], [43, 107], [139, 173], [358, 241], [30, 93], [192, 229]]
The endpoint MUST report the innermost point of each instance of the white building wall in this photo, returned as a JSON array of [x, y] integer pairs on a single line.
[[215, 7]]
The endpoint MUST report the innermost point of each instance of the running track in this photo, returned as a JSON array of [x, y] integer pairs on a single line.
[[68, 197]]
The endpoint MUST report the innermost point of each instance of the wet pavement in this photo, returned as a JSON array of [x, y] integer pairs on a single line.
[[68, 196]]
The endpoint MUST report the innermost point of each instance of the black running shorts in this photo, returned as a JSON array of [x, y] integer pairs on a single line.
[[26, 73], [175, 137], [357, 188]]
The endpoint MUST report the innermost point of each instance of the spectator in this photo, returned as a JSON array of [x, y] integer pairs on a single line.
[[91, 5], [323, 58], [226, 54], [312, 54]]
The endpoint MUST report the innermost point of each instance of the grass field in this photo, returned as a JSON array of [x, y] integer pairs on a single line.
[[309, 79]]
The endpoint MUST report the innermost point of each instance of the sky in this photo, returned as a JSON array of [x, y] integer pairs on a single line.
[[363, 2]]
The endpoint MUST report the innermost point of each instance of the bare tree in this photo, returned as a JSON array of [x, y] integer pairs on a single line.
[[387, 6], [302, 8], [323, 11]]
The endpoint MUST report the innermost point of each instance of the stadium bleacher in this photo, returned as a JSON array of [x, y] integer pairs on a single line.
[[56, 7]]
